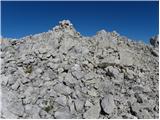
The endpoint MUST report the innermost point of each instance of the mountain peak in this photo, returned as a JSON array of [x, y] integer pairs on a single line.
[[64, 24]]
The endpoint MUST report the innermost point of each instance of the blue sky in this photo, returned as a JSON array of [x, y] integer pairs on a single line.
[[136, 20]]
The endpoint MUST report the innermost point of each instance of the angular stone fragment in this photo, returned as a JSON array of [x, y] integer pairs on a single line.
[[62, 89], [124, 53], [111, 71], [130, 74], [93, 112], [62, 100], [155, 41], [15, 85], [107, 104], [39, 71], [138, 97], [46, 77], [62, 114], [16, 108], [61, 74], [60, 70], [88, 104], [33, 110], [89, 76], [155, 52], [25, 80], [78, 74], [52, 93], [92, 92], [70, 79], [144, 114], [76, 67], [67, 44], [11, 79], [4, 80], [79, 104]]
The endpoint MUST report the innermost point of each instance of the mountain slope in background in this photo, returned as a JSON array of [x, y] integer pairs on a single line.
[[62, 74]]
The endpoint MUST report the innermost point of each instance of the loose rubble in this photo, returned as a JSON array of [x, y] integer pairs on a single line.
[[62, 74]]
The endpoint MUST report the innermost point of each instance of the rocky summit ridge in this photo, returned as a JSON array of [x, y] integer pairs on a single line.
[[62, 74]]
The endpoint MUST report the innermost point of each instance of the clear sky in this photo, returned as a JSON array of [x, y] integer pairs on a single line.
[[136, 20]]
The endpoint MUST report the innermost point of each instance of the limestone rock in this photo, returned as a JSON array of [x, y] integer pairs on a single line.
[[79, 104], [62, 89], [155, 41], [107, 104], [62, 74], [93, 112]]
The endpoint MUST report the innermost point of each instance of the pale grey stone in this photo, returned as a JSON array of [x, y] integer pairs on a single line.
[[46, 77], [39, 70], [136, 107], [44, 115], [62, 100], [93, 112], [71, 105], [88, 103], [79, 104], [144, 114], [16, 108], [92, 92], [78, 74], [89, 76], [62, 115], [107, 104], [32, 110], [60, 88], [25, 80], [15, 85], [42, 50], [11, 79], [76, 67], [112, 71], [155, 41], [129, 74], [52, 93], [70, 73], [4, 79], [60, 70], [69, 78]]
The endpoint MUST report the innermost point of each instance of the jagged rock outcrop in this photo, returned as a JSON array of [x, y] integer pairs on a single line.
[[62, 74], [155, 41]]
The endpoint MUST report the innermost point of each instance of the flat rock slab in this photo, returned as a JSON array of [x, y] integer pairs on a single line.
[[107, 104], [93, 112]]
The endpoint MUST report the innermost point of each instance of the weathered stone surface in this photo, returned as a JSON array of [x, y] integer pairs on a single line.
[[93, 112], [15, 85], [155, 41], [70, 79], [62, 100], [111, 71], [79, 104], [88, 104], [62, 74], [107, 104], [62, 114], [92, 92], [60, 88]]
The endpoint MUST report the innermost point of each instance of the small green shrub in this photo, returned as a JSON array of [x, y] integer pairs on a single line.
[[28, 69], [48, 108]]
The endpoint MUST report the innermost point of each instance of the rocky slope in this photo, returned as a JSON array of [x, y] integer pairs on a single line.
[[61, 74]]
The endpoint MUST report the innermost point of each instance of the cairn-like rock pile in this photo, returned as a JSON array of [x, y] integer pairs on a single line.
[[61, 74]]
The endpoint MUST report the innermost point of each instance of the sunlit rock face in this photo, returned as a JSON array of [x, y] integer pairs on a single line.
[[62, 74], [155, 41]]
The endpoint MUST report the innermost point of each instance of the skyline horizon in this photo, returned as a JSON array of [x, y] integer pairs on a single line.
[[77, 31], [136, 20]]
